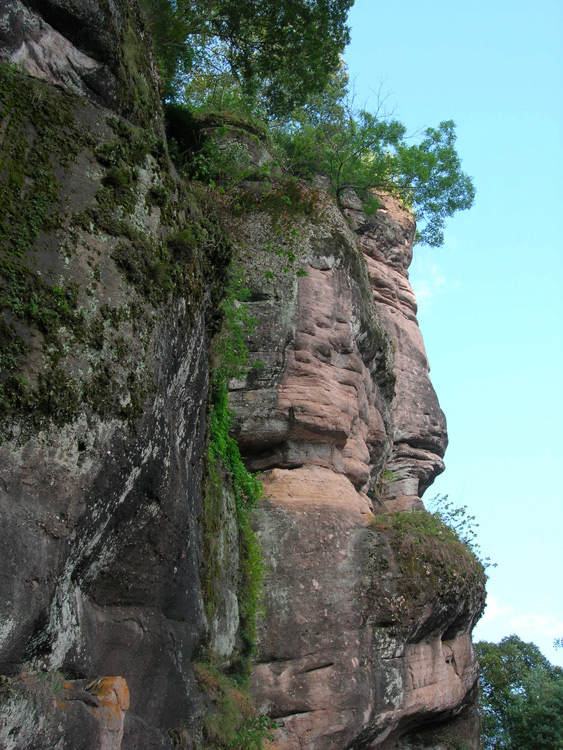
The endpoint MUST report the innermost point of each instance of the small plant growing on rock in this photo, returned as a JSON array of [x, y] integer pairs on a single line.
[[463, 524], [428, 550], [232, 723]]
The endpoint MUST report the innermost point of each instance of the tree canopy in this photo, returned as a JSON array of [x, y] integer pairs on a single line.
[[280, 63], [368, 151], [282, 51], [521, 697]]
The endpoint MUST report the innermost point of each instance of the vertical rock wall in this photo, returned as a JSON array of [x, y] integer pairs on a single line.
[[344, 424], [103, 393], [419, 426]]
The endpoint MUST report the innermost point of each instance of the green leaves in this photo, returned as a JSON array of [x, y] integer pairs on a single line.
[[279, 52], [521, 697], [366, 152], [464, 525], [434, 181]]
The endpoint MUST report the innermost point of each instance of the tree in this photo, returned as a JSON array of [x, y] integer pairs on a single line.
[[282, 52], [365, 152], [521, 697]]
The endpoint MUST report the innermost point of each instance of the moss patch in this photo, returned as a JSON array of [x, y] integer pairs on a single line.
[[429, 553], [231, 722], [224, 456], [40, 137], [73, 338]]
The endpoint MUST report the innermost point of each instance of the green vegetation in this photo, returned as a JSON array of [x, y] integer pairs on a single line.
[[30, 165], [232, 724], [521, 697], [64, 349], [430, 553], [353, 150], [463, 524], [279, 53], [274, 70], [230, 355], [40, 141], [368, 152]]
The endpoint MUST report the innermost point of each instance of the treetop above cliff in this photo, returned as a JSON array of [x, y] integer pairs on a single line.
[[277, 67], [281, 52]]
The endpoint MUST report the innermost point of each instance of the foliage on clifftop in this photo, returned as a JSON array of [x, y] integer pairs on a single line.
[[430, 553], [276, 67], [281, 52], [371, 151]]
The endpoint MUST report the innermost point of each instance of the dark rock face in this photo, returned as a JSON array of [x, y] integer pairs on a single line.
[[97, 50], [100, 468]]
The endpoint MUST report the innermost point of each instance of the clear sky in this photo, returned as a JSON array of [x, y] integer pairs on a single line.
[[491, 299]]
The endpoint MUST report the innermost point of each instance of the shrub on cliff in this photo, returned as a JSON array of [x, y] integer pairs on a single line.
[[368, 152], [429, 550]]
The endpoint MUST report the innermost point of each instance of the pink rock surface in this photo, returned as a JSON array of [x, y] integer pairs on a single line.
[[347, 658], [419, 425]]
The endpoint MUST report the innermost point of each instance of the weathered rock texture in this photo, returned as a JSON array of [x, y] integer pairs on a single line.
[[104, 394], [96, 49], [110, 275], [350, 656], [419, 428]]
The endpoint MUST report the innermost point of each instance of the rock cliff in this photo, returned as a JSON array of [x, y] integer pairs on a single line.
[[121, 547], [357, 647]]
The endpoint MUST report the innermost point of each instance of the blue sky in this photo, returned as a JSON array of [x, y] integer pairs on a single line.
[[491, 299]]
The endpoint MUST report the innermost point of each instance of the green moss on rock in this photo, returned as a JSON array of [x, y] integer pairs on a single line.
[[430, 555], [40, 138]]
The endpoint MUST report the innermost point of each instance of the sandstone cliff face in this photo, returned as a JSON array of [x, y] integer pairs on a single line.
[[109, 277], [344, 423]]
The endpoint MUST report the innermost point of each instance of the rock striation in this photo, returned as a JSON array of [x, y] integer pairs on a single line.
[[120, 549]]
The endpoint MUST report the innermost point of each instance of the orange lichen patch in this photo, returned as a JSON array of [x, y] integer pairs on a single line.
[[111, 690], [113, 696]]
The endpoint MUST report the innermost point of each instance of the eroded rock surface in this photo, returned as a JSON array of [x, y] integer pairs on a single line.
[[419, 426], [351, 656], [321, 397]]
